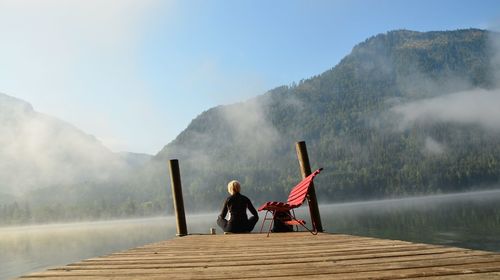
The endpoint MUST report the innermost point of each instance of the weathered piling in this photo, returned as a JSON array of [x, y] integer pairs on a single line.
[[175, 182], [305, 169]]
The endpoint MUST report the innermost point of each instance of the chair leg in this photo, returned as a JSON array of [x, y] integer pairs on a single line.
[[291, 215], [266, 219], [271, 224], [315, 232], [296, 226], [263, 221]]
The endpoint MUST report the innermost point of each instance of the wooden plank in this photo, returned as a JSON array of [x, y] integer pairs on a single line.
[[214, 263], [474, 276], [284, 256], [286, 271]]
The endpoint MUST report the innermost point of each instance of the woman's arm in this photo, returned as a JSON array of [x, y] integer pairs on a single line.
[[252, 209], [223, 213]]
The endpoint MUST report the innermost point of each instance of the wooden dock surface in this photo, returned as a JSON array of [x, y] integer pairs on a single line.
[[284, 256]]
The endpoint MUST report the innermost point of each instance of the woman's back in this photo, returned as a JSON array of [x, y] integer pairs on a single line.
[[236, 205]]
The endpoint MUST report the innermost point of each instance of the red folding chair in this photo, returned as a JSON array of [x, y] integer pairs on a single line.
[[286, 209]]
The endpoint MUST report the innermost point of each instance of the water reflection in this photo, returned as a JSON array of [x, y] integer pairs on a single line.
[[469, 220], [33, 248]]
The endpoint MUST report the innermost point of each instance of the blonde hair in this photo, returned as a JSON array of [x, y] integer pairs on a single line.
[[233, 187]]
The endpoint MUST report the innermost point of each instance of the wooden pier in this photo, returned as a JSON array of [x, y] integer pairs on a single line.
[[284, 256]]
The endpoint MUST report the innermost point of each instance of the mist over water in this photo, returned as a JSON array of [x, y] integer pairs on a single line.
[[26, 249], [469, 220]]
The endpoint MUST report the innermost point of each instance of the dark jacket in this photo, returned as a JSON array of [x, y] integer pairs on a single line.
[[237, 205]]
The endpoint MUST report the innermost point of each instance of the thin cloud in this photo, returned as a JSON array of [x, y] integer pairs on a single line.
[[477, 107], [250, 126], [433, 147]]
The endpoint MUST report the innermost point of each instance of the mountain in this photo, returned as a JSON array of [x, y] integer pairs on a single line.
[[393, 118], [52, 171], [39, 151], [404, 113], [135, 160]]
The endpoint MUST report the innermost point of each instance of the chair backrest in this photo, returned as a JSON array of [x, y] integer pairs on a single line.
[[299, 192]]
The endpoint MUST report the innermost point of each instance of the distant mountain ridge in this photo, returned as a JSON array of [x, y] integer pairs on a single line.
[[10, 104], [135, 159], [38, 151], [52, 171]]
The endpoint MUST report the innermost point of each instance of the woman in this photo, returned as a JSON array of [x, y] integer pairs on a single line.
[[237, 204]]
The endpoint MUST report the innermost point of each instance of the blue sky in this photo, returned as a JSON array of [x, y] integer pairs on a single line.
[[134, 73]]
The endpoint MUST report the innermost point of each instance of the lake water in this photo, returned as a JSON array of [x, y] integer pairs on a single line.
[[469, 220]]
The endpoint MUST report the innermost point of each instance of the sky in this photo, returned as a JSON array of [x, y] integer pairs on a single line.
[[134, 73]]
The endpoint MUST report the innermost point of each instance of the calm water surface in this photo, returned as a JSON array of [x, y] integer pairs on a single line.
[[469, 220], [34, 248]]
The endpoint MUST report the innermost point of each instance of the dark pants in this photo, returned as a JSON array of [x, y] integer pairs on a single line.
[[242, 226]]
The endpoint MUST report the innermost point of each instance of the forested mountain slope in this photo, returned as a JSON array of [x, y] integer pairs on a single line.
[[395, 117]]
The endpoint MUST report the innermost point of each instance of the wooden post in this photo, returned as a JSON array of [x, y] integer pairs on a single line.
[[175, 182], [305, 170]]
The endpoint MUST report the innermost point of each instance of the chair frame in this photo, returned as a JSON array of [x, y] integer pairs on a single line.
[[294, 201], [293, 221]]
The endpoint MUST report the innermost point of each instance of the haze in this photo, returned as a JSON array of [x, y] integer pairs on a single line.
[[135, 73]]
